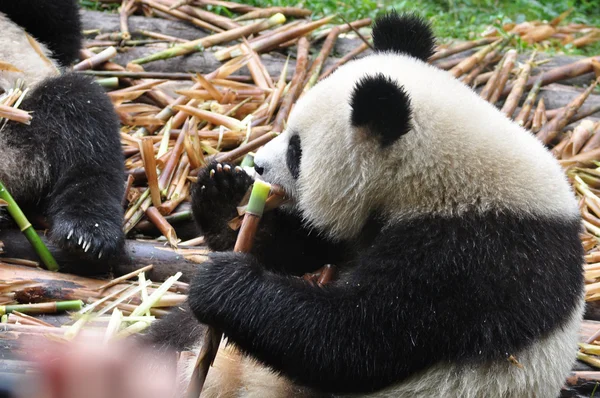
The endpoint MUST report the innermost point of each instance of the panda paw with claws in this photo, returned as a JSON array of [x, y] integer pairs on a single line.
[[217, 193], [97, 239]]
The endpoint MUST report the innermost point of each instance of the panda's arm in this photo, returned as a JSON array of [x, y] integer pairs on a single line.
[[335, 338], [282, 242], [73, 140]]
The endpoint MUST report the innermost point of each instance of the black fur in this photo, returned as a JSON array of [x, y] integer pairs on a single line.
[[294, 155], [405, 34], [74, 140], [55, 23], [382, 107], [178, 330], [401, 308]]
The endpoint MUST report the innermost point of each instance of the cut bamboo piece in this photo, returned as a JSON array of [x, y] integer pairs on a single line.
[[469, 63], [523, 115], [507, 66], [512, 101], [460, 48], [551, 129], [244, 242], [271, 42]]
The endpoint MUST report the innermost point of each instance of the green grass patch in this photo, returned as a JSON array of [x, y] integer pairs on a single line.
[[450, 19]]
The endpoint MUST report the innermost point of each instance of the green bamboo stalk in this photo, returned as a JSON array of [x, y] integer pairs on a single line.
[[248, 161], [209, 41], [43, 308], [17, 214], [109, 82]]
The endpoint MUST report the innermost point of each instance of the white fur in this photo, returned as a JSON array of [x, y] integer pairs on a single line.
[[546, 365], [461, 155], [16, 50]]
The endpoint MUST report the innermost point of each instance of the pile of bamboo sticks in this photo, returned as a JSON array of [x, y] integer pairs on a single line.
[[545, 33], [168, 135]]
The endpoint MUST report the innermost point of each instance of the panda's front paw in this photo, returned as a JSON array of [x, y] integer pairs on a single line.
[[223, 285], [94, 238], [217, 193]]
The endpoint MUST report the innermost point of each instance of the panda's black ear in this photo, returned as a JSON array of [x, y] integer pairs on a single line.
[[382, 107], [405, 34]]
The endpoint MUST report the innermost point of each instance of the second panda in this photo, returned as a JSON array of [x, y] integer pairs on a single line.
[[68, 163], [454, 230]]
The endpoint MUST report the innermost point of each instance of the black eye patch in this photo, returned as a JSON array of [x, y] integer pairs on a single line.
[[293, 156]]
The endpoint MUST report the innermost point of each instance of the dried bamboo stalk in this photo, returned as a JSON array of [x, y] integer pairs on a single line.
[[361, 23], [580, 136], [490, 86], [593, 142], [460, 48], [551, 129], [315, 69], [560, 73], [271, 42], [96, 60], [539, 116], [127, 7], [147, 151], [294, 12], [209, 41], [163, 225], [181, 15], [295, 86], [351, 55], [507, 66], [523, 115], [469, 63], [512, 101]]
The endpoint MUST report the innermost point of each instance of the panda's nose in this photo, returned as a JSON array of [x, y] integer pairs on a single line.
[[259, 169]]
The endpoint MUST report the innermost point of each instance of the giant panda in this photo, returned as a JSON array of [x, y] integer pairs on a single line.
[[454, 231], [68, 163]]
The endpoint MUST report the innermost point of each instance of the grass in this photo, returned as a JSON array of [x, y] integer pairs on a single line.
[[450, 19]]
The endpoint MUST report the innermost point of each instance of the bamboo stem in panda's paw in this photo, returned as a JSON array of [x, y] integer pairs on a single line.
[[245, 239]]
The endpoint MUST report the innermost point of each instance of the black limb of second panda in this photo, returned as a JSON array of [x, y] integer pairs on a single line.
[[67, 164], [78, 165]]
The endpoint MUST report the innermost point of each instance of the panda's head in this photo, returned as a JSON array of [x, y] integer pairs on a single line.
[[345, 131]]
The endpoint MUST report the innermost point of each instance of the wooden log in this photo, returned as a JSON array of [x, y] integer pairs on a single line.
[[137, 254]]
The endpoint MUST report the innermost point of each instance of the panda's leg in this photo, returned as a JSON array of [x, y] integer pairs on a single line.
[[71, 153]]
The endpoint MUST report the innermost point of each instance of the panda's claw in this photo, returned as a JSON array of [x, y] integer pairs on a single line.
[[92, 240], [217, 193]]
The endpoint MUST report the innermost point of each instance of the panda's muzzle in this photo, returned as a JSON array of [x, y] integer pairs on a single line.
[[259, 169]]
